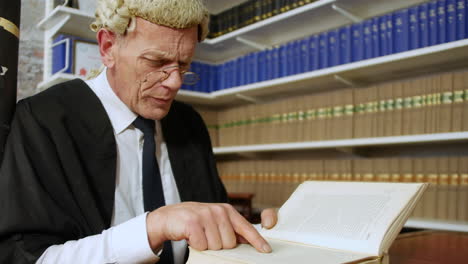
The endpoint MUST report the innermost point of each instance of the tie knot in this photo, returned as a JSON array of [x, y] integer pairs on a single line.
[[144, 125]]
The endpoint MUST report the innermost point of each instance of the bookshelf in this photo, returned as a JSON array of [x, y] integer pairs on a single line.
[[460, 137], [431, 59]]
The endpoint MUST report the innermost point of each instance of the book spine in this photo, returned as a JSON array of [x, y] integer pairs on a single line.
[[297, 57], [358, 42], [424, 24], [261, 67], [375, 37], [313, 53], [268, 64], [461, 19], [414, 35], [276, 72], [345, 44], [367, 35], [323, 50], [304, 56], [390, 33], [433, 24], [451, 20], [401, 30], [383, 35], [333, 48], [283, 60], [290, 59], [442, 21]]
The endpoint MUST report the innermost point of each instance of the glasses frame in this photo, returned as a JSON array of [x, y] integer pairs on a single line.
[[166, 73]]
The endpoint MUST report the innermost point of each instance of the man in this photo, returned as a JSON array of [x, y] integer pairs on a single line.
[[74, 185]]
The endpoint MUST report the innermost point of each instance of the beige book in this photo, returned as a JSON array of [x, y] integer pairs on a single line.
[[430, 209], [453, 188], [408, 117], [419, 177], [384, 121], [397, 92], [330, 222], [381, 170], [460, 80], [359, 111], [436, 102], [446, 103], [465, 104], [443, 188], [463, 191], [418, 104]]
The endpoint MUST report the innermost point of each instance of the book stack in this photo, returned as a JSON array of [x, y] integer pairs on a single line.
[[273, 181], [248, 13], [420, 26], [436, 103]]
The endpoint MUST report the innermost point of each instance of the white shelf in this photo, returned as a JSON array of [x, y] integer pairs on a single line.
[[69, 21], [55, 79], [432, 59], [345, 143], [303, 21], [437, 225]]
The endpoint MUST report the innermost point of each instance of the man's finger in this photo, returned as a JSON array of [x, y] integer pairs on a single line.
[[228, 236], [269, 218], [197, 238], [246, 230]]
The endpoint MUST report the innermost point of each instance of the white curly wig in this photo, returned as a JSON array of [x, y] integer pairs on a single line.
[[118, 15]]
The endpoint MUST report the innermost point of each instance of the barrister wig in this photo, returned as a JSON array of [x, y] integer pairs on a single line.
[[118, 15]]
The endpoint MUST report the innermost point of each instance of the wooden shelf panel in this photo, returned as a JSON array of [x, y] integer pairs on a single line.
[[346, 143]]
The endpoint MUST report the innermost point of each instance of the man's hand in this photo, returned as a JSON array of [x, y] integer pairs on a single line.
[[206, 226]]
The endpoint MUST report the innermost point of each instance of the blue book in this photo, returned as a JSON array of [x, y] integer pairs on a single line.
[[401, 29], [222, 76], [241, 70], [433, 24], [261, 66], [323, 50], [283, 60], [297, 57], [367, 31], [290, 70], [441, 21], [313, 52], [253, 61], [375, 37], [383, 35], [451, 14], [268, 64], [275, 63], [204, 78], [232, 73], [390, 33], [345, 44], [358, 42], [213, 75], [424, 25], [304, 57], [461, 19], [414, 37], [333, 48]]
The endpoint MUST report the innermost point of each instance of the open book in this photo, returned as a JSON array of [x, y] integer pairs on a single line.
[[330, 223]]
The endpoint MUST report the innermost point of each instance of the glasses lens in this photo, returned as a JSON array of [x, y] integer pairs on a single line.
[[190, 78]]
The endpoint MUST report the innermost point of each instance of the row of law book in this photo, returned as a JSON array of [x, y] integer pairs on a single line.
[[273, 181], [249, 12], [428, 24], [436, 103]]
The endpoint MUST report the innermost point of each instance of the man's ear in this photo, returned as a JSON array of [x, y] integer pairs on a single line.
[[107, 41]]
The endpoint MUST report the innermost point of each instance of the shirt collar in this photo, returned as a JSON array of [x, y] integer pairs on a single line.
[[119, 114]]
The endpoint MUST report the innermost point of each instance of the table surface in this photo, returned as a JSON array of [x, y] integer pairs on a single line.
[[430, 247]]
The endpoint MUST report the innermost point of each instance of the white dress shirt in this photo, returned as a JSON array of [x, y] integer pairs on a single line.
[[126, 241]]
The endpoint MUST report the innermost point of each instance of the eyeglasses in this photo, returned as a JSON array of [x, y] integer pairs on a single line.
[[188, 77]]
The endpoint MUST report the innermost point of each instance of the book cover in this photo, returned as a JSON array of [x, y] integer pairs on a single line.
[[284, 67], [313, 52], [275, 63], [390, 33], [345, 44], [376, 50], [261, 66], [383, 35], [290, 70], [304, 57], [296, 58]]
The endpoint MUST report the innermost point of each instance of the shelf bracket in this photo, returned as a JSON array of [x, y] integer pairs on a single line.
[[345, 81], [248, 98], [346, 14], [251, 43]]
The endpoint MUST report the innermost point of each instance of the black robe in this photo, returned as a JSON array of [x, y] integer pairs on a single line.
[[57, 180]]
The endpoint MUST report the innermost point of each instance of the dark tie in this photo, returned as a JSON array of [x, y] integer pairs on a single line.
[[153, 195]]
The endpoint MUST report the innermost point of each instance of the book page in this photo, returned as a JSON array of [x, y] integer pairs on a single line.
[[352, 216], [286, 252]]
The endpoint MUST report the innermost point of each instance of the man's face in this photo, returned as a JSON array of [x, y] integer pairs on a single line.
[[139, 56]]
